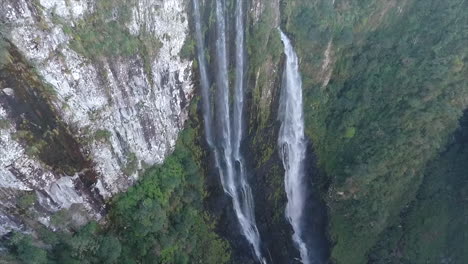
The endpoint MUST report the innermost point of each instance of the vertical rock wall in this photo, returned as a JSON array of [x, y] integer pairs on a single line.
[[121, 112]]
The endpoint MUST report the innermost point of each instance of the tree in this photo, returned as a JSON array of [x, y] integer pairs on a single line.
[[109, 250]]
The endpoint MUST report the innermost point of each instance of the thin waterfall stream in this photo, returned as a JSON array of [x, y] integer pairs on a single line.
[[245, 201], [226, 144], [292, 146], [204, 81]]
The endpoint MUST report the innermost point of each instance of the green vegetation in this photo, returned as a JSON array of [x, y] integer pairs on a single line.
[[27, 200], [159, 220], [132, 164], [4, 123], [33, 146], [104, 33], [102, 135], [434, 228], [264, 49], [396, 93], [4, 54], [263, 40], [188, 49], [95, 39], [26, 250], [72, 218]]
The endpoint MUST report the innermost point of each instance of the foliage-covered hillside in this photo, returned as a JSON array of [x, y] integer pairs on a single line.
[[159, 220], [398, 88], [434, 229]]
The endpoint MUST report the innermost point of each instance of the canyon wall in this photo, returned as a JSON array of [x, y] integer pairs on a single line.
[[113, 91]]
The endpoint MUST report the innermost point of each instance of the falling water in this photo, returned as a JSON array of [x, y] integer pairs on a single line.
[[292, 145], [205, 85], [239, 85], [233, 179], [245, 211], [227, 152]]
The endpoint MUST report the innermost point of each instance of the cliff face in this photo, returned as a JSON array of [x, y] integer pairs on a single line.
[[78, 120], [95, 91]]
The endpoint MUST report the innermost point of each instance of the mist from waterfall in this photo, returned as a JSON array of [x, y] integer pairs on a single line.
[[227, 143], [292, 145]]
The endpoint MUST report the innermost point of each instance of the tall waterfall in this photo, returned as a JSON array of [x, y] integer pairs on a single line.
[[227, 149], [204, 82], [292, 145], [244, 205], [239, 89]]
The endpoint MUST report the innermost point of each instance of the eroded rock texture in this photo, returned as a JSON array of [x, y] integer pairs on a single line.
[[102, 118]]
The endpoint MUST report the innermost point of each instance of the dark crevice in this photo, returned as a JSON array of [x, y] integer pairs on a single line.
[[39, 129]]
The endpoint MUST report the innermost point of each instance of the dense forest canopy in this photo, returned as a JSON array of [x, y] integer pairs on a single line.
[[397, 91]]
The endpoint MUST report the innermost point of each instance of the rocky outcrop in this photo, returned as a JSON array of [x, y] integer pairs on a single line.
[[113, 114]]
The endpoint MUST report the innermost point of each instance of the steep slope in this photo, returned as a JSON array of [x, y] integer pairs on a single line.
[[433, 229], [110, 79], [385, 85]]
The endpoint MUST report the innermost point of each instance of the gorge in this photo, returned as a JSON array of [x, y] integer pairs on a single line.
[[195, 131]]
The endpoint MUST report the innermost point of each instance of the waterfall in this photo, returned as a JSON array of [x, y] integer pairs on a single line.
[[204, 82], [245, 212], [239, 86], [233, 174], [292, 145], [227, 147]]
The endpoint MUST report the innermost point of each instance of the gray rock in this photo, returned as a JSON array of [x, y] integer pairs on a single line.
[[141, 117]]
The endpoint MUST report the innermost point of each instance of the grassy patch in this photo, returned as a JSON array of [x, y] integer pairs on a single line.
[[27, 200], [104, 34], [188, 49], [102, 135], [132, 164]]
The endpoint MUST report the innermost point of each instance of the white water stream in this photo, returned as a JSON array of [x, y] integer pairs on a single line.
[[227, 143], [292, 145], [204, 82]]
